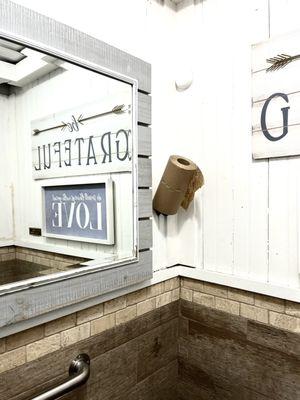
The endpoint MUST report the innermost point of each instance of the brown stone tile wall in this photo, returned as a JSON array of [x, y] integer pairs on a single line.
[[7, 253], [59, 334], [55, 262], [52, 260], [135, 360], [237, 345], [232, 344], [273, 311], [39, 257]]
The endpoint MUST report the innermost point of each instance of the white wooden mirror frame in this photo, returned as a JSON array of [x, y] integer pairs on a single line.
[[25, 305]]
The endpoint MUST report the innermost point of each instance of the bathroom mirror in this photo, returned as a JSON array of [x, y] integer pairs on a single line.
[[75, 170], [68, 166]]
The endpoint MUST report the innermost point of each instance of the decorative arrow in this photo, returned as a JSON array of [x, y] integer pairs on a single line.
[[73, 126], [281, 61], [119, 109]]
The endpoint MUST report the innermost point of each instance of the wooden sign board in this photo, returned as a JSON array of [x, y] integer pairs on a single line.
[[276, 97], [82, 212], [91, 139]]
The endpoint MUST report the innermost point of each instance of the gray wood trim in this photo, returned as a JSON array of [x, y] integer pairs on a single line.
[[157, 277], [144, 108], [23, 23], [145, 203], [145, 234], [33, 302], [144, 172], [144, 141]]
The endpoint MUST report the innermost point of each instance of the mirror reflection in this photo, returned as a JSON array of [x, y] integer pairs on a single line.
[[67, 164]]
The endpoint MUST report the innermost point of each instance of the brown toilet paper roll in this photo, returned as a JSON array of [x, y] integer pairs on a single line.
[[178, 184]]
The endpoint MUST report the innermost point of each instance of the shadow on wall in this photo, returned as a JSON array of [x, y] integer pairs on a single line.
[[167, 3], [178, 4], [187, 3], [166, 224], [194, 213]]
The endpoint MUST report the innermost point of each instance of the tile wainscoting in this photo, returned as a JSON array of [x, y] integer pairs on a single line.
[[223, 356], [179, 339], [19, 263], [237, 345], [46, 258], [253, 306], [56, 335], [56, 262], [7, 253], [136, 360]]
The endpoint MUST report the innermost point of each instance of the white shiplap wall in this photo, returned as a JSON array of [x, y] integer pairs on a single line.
[[55, 92], [144, 28], [7, 165], [245, 222]]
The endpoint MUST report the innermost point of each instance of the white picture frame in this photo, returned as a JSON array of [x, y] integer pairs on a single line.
[[109, 238]]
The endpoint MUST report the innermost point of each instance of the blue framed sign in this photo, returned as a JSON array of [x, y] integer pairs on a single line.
[[82, 212]]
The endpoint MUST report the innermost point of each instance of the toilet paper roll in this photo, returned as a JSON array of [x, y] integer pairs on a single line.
[[179, 182]]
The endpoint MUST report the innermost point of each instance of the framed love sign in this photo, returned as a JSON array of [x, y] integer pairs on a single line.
[[82, 212]]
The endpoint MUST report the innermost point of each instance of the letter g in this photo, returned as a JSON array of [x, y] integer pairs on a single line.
[[284, 117]]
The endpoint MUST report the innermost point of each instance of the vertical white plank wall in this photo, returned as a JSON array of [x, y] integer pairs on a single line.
[[7, 163], [284, 179], [226, 229], [242, 222], [95, 19], [245, 220], [57, 91]]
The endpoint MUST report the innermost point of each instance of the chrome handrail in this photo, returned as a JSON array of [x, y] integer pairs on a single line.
[[79, 373]]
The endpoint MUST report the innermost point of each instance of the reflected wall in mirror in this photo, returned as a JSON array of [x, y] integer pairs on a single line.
[[67, 166]]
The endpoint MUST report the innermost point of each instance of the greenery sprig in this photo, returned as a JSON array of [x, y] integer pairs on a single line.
[[281, 61]]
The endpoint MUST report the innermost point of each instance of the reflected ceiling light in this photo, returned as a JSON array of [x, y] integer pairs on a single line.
[[11, 52]]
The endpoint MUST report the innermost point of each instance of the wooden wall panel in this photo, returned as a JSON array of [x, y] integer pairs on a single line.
[[284, 185], [144, 108], [118, 367], [42, 298], [7, 165], [234, 215], [144, 141], [28, 192], [284, 221], [250, 186], [223, 356], [145, 234], [145, 203], [144, 172], [249, 214], [25, 215]]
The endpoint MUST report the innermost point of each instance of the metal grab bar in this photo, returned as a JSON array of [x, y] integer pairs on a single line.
[[79, 373]]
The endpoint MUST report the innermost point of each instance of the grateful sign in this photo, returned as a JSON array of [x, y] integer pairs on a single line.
[[79, 212], [276, 97], [90, 139]]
